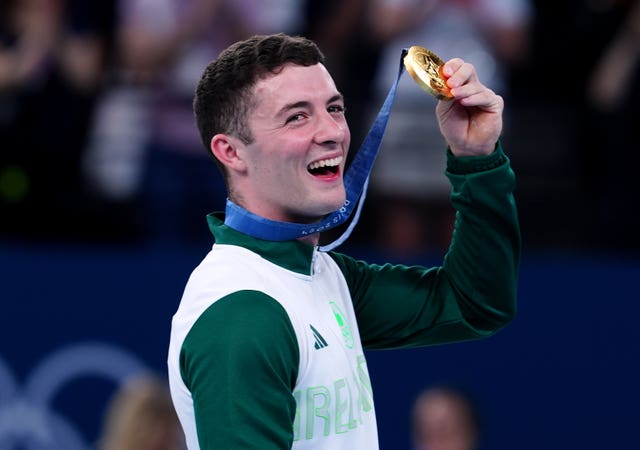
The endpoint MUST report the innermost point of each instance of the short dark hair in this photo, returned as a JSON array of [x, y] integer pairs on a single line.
[[223, 97]]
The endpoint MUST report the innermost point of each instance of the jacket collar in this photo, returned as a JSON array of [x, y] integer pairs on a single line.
[[292, 255]]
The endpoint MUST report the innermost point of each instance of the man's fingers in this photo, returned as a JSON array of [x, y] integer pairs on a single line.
[[462, 80], [458, 73], [475, 94], [451, 66], [486, 100], [467, 90]]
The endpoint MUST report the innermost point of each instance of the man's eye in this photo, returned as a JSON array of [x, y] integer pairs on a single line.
[[295, 118], [336, 109]]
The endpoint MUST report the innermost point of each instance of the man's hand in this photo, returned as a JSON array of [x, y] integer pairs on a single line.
[[472, 122]]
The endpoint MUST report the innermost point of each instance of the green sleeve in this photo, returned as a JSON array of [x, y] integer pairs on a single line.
[[473, 294], [240, 362]]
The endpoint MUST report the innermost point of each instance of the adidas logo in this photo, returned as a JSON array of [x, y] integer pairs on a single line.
[[320, 342]]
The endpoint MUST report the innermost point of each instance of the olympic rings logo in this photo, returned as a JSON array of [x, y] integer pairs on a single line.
[[26, 419]]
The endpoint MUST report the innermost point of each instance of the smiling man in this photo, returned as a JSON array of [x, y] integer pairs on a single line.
[[267, 345]]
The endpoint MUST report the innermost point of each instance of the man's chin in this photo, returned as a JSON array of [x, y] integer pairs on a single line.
[[335, 207], [320, 214]]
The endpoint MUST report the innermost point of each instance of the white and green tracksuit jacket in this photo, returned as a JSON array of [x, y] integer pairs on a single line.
[[266, 347]]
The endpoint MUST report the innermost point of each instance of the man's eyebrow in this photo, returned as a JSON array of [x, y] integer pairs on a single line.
[[295, 105], [336, 98], [306, 104]]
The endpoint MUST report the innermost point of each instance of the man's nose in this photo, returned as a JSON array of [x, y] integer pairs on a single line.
[[330, 129]]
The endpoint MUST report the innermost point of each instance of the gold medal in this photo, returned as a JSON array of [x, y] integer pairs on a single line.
[[425, 67]]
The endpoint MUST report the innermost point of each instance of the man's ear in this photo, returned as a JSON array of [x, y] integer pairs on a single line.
[[228, 150]]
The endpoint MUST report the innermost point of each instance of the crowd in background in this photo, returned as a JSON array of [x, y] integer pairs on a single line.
[[98, 142], [140, 416]]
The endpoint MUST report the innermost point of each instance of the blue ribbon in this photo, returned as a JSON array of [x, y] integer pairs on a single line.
[[356, 181]]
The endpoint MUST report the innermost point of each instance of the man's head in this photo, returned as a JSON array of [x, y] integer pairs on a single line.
[[271, 115], [224, 95]]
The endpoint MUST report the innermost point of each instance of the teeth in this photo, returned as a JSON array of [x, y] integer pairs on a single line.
[[326, 163]]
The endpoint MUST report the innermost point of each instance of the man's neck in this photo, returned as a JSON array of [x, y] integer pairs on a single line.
[[311, 239]]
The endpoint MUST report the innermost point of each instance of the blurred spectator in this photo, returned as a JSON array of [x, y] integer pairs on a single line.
[[141, 416], [408, 183], [445, 418], [52, 54], [608, 88], [145, 148], [607, 43]]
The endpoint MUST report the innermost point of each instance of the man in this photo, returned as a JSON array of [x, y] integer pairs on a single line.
[[267, 344]]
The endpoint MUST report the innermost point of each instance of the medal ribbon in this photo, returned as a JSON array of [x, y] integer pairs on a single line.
[[356, 181]]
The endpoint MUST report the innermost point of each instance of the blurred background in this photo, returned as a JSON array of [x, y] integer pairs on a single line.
[[104, 187]]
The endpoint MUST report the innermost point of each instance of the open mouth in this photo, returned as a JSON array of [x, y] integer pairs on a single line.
[[326, 167]]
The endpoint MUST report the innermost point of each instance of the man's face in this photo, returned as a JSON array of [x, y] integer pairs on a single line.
[[295, 164]]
